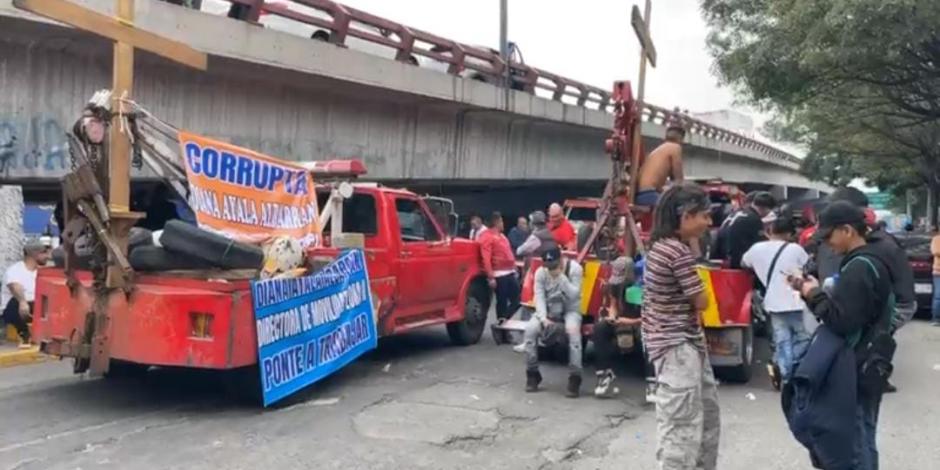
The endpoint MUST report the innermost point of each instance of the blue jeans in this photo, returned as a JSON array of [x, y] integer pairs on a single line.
[[866, 419], [646, 197], [935, 308], [790, 338]]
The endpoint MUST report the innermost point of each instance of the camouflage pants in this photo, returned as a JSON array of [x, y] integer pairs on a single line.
[[687, 413]]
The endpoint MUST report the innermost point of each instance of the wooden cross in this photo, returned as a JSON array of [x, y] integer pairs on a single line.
[[647, 54], [126, 37]]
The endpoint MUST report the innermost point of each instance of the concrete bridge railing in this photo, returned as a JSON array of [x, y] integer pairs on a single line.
[[338, 23]]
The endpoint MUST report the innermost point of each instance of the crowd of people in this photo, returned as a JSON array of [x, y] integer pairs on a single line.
[[842, 268]]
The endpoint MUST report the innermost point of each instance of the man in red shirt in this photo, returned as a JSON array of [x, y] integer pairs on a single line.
[[499, 263], [562, 230]]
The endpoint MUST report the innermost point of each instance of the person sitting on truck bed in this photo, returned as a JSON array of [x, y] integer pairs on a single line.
[[662, 164], [747, 228], [557, 302], [500, 267], [605, 331], [561, 228], [519, 233], [540, 238]]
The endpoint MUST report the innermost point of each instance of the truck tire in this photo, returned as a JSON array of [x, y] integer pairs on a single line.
[[244, 385], [118, 369], [139, 237], [154, 258], [469, 330], [742, 373], [225, 253]]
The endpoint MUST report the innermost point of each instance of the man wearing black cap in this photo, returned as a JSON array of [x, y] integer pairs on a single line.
[[900, 274], [557, 302], [859, 309]]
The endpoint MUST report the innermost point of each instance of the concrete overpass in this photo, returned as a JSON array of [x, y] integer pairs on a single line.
[[300, 99]]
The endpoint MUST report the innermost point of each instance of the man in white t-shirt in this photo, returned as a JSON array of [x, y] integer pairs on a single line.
[[777, 258], [19, 288]]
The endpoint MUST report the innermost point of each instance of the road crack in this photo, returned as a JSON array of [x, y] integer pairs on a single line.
[[588, 444]]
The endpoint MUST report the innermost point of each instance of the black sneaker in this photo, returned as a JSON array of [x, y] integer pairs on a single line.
[[532, 380], [574, 386], [890, 388]]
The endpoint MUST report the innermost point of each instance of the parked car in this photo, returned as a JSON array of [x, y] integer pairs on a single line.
[[917, 246]]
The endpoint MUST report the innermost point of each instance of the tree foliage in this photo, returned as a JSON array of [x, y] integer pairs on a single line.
[[856, 82]]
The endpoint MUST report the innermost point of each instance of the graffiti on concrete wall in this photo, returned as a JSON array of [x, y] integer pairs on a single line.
[[33, 147]]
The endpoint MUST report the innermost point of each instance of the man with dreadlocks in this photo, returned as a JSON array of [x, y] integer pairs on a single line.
[[687, 412]]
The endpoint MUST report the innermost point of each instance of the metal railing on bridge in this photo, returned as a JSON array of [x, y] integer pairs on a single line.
[[340, 25]]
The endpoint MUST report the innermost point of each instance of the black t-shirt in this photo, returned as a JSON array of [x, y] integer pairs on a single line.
[[742, 233]]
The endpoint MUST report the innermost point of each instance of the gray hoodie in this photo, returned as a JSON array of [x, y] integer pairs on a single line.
[[556, 296]]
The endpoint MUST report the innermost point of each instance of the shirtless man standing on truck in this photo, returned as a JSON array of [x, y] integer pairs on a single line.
[[662, 164]]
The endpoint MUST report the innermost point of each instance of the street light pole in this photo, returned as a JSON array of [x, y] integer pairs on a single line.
[[504, 44]]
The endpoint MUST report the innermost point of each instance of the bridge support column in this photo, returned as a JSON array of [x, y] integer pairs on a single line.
[[779, 192], [11, 226]]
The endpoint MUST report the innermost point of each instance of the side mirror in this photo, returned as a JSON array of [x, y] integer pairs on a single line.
[[454, 221]]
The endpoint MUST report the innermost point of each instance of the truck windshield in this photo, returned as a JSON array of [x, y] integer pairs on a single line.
[[582, 214], [359, 214], [415, 224]]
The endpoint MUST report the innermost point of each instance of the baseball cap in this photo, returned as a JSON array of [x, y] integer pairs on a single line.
[[551, 257], [537, 218], [839, 213], [33, 245], [620, 269]]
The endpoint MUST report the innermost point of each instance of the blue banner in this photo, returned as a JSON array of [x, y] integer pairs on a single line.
[[312, 326]]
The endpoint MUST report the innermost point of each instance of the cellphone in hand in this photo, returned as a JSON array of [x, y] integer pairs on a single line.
[[796, 280]]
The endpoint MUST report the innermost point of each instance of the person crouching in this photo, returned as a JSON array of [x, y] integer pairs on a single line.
[[615, 317], [557, 303]]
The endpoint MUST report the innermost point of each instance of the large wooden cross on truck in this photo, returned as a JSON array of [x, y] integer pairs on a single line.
[[116, 179], [625, 148]]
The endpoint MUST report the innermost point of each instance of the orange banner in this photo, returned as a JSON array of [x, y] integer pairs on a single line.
[[248, 196]]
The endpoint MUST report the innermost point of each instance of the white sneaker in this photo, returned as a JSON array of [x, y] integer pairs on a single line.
[[605, 381], [650, 391], [519, 348]]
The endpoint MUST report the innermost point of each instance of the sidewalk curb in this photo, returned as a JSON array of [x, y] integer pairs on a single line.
[[22, 357]]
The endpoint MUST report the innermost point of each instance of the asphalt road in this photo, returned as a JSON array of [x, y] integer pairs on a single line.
[[416, 403]]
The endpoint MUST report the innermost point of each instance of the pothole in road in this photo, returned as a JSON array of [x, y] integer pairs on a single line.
[[421, 422]]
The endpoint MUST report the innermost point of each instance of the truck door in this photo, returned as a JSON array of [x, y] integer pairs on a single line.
[[427, 280]]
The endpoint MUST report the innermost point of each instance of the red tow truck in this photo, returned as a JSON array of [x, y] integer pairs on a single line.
[[420, 276]]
